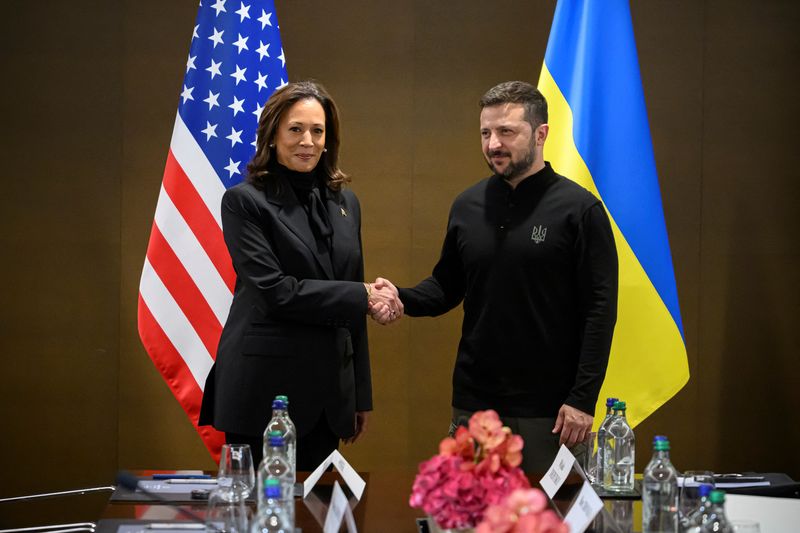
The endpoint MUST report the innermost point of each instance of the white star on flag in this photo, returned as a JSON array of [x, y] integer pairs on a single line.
[[233, 167], [261, 81], [234, 137], [282, 58], [217, 37], [243, 12], [241, 43], [219, 6], [187, 93], [239, 74], [190, 63], [210, 131], [214, 69], [263, 50], [264, 19], [212, 100], [237, 106]]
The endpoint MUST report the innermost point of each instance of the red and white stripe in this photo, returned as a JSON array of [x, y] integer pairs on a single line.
[[187, 282]]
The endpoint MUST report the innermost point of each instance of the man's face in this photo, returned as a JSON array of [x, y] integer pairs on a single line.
[[507, 140]]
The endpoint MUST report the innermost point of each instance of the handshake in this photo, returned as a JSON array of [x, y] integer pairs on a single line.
[[384, 304]]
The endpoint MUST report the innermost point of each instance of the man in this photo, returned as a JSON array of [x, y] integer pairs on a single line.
[[532, 256]]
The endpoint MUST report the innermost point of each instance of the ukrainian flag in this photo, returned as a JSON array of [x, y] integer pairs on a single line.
[[600, 138]]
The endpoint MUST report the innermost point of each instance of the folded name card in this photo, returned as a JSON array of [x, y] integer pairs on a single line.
[[354, 482]]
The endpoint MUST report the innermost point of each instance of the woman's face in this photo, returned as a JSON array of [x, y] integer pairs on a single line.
[[300, 138]]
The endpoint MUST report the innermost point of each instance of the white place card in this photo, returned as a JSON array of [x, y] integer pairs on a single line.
[[584, 508], [558, 471], [354, 482], [338, 510]]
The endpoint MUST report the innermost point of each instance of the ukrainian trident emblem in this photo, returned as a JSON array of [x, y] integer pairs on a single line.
[[538, 234]]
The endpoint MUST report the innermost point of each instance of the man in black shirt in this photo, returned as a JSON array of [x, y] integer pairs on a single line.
[[532, 256]]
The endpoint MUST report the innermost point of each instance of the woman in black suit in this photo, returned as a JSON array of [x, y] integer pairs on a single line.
[[297, 324]]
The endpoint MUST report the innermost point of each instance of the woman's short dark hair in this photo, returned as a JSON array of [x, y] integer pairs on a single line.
[[519, 92], [280, 101]]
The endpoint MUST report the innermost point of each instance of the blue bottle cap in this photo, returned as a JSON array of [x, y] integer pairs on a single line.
[[278, 404], [660, 437], [610, 402], [705, 489]]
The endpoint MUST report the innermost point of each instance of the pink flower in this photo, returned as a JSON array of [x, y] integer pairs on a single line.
[[522, 511], [463, 444], [487, 429]]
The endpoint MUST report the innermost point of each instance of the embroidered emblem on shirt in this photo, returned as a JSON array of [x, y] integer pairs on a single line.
[[538, 234]]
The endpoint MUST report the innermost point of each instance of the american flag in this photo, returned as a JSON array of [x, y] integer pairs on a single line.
[[235, 63]]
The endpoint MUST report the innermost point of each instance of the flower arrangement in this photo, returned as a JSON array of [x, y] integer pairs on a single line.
[[475, 469]]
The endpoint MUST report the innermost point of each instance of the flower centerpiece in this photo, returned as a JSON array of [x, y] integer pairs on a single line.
[[477, 468]]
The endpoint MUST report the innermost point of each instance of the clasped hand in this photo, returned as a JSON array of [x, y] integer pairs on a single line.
[[384, 302]]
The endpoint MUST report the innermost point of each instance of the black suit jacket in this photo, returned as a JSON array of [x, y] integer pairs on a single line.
[[297, 324]]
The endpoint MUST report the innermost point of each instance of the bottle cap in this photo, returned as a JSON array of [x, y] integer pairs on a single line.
[[619, 406], [717, 496], [705, 489], [661, 445], [660, 437], [283, 398], [278, 404], [275, 439], [611, 401]]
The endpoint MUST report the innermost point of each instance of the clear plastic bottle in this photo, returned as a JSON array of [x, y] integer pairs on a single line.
[[660, 491], [602, 431], [273, 515], [619, 452], [281, 422], [716, 522], [276, 466], [699, 516]]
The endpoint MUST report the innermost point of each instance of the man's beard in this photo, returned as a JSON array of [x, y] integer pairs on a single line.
[[514, 169]]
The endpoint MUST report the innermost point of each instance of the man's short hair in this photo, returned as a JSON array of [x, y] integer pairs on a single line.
[[518, 92]]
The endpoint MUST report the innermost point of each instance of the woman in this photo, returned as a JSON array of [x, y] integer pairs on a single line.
[[297, 324]]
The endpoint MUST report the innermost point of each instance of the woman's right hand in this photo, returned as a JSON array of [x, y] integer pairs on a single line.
[[384, 301]]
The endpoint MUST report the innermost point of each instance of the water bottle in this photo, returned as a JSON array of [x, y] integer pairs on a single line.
[[619, 452], [660, 491], [273, 515], [602, 431], [281, 422], [717, 522], [276, 465], [698, 516]]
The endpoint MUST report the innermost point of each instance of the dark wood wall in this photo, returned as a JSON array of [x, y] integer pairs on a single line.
[[89, 95]]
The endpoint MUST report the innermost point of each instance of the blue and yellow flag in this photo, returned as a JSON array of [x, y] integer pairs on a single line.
[[600, 138]]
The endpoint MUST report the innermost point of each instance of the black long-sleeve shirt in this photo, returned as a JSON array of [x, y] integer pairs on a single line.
[[536, 268]]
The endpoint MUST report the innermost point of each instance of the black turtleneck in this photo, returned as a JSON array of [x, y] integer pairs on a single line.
[[307, 188], [536, 268]]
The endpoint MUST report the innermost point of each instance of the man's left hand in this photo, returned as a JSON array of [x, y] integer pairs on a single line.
[[362, 419], [573, 424]]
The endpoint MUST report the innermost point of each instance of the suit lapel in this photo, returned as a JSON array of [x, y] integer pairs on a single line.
[[294, 216], [341, 222]]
